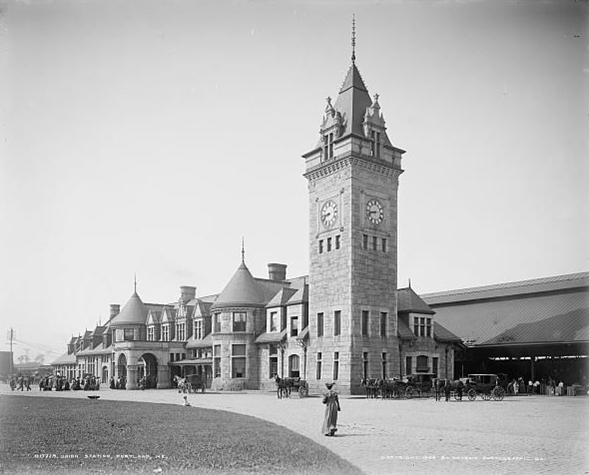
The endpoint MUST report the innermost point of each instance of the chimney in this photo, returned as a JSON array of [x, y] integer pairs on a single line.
[[115, 309], [276, 271], [187, 293]]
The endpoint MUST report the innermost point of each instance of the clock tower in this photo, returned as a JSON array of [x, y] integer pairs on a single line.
[[353, 176]]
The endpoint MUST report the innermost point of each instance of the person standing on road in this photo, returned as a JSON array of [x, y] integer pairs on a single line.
[[331, 401]]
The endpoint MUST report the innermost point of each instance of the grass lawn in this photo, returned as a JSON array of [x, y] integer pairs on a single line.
[[45, 434]]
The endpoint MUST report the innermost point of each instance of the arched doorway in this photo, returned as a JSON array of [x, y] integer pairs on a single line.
[[104, 377], [294, 362], [121, 380], [148, 370]]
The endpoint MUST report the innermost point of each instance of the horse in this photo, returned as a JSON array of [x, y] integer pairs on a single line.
[[447, 386], [284, 387], [371, 386]]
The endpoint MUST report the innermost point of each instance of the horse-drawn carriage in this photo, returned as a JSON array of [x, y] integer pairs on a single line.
[[285, 386], [485, 385], [190, 384], [419, 385]]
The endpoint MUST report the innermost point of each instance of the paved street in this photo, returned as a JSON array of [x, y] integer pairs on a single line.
[[536, 434]]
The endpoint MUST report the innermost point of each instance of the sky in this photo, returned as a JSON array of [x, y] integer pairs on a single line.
[[150, 137]]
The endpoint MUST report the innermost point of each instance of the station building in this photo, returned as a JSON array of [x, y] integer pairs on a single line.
[[345, 321]]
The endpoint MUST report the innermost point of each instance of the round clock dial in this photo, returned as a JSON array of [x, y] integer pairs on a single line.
[[374, 211], [329, 213]]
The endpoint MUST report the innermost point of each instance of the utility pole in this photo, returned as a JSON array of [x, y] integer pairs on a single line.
[[11, 335]]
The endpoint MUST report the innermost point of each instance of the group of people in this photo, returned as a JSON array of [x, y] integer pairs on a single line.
[[61, 383], [20, 382], [550, 387], [120, 382]]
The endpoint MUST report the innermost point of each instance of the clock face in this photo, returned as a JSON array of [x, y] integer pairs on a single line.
[[329, 213], [374, 211]]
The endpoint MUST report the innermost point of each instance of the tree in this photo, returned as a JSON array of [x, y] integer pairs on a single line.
[[40, 358]]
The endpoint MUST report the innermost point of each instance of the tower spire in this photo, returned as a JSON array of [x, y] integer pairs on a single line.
[[242, 250], [353, 39], [135, 282]]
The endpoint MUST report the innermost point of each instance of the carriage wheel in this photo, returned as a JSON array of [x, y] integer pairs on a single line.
[[498, 393], [457, 397], [409, 392], [472, 394]]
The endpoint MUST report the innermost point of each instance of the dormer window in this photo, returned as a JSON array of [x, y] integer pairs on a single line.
[[274, 321], [375, 143], [328, 146]]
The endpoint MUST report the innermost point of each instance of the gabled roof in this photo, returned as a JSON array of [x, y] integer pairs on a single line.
[[409, 302], [154, 317], [133, 313], [484, 315], [168, 315], [301, 296], [571, 326], [202, 308], [241, 291], [281, 298]]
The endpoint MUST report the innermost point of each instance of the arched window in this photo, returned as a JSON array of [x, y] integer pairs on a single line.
[[293, 366]]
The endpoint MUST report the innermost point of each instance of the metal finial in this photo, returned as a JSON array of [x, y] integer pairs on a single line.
[[242, 250], [135, 282], [409, 282], [353, 38]]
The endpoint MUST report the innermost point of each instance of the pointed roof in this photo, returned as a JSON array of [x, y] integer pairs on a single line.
[[281, 297], [409, 302], [133, 313], [241, 291], [352, 102]]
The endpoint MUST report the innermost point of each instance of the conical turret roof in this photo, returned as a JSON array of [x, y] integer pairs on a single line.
[[241, 291], [134, 312], [352, 102]]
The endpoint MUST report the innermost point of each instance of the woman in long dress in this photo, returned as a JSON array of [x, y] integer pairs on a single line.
[[331, 401]]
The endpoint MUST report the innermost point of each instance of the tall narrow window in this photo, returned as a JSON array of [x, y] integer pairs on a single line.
[[365, 365], [383, 324], [198, 329], [318, 369], [320, 324], [335, 365], [217, 361], [320, 246], [294, 326], [217, 322], [416, 326], [408, 365], [337, 322], [428, 327], [364, 241], [435, 366], [338, 241], [330, 145], [384, 244], [238, 361], [328, 244], [274, 321], [421, 326], [374, 243], [273, 360], [365, 315]]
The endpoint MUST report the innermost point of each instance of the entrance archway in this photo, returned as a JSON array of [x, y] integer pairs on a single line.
[[121, 381], [148, 370], [104, 374]]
